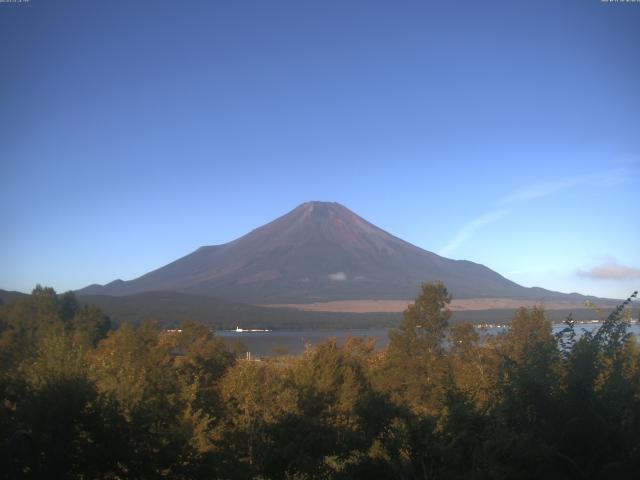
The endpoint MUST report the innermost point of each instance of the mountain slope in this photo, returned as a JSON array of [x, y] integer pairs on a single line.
[[9, 296], [318, 252]]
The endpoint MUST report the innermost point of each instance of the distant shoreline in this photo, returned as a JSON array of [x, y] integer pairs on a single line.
[[398, 306]]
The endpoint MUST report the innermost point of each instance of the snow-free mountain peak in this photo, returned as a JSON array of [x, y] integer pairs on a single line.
[[319, 251]]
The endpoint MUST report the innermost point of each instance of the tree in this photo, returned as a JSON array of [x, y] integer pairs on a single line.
[[90, 325], [134, 370], [600, 432], [425, 322], [471, 364], [414, 368], [257, 394], [523, 415]]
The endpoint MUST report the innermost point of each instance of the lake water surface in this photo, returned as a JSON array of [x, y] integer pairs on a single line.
[[293, 342]]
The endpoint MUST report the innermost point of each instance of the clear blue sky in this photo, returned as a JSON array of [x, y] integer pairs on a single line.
[[507, 133]]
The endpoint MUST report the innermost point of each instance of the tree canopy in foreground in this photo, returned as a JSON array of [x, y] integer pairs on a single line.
[[80, 400]]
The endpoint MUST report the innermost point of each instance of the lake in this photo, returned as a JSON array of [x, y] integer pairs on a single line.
[[292, 342]]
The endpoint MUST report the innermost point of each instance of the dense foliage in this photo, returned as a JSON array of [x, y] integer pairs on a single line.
[[80, 400]]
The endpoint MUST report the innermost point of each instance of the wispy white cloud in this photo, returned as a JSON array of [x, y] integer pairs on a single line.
[[610, 269], [608, 178], [338, 276], [539, 190], [470, 228], [613, 178]]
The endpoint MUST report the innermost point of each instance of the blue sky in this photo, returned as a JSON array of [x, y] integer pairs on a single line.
[[506, 133]]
